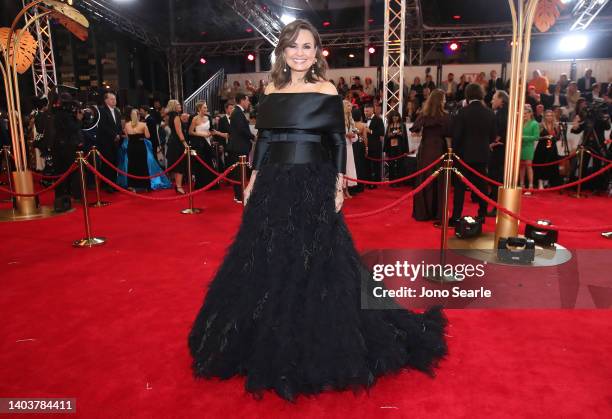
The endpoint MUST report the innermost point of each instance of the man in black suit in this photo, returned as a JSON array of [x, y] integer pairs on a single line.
[[473, 130], [495, 84], [108, 135], [221, 134], [585, 84], [376, 134], [240, 139], [497, 158], [151, 122]]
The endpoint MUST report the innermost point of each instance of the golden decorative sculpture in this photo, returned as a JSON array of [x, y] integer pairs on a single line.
[[17, 48], [523, 12]]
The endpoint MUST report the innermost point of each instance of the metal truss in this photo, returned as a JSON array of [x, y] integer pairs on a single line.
[[43, 68], [260, 17], [586, 10], [429, 36], [393, 56], [102, 12]]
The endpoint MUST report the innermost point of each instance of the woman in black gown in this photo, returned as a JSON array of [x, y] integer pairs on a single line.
[[284, 308], [137, 152], [434, 123], [176, 144]]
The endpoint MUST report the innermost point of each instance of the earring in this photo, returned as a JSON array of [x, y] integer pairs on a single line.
[[285, 68], [313, 69]]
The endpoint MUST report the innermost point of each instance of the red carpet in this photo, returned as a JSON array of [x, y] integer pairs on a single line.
[[108, 325]]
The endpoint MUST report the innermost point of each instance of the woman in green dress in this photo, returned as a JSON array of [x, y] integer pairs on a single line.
[[531, 133]]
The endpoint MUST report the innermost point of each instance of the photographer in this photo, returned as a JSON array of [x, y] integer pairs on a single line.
[[63, 133], [593, 120], [396, 144]]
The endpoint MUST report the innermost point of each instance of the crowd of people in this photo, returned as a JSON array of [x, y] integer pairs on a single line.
[[146, 139]]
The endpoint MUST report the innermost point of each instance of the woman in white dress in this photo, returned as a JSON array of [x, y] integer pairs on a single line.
[[351, 137], [200, 137]]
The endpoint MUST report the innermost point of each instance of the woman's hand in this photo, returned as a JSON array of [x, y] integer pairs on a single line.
[[247, 193], [339, 199], [339, 192]]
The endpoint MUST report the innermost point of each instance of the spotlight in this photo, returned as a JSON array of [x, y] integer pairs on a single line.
[[249, 30], [573, 43], [351, 55], [325, 53], [202, 60], [370, 20], [541, 236], [326, 23], [287, 19], [456, 17], [453, 46], [250, 57], [371, 50]]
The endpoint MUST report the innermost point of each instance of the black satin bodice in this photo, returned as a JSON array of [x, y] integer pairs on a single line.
[[300, 120]]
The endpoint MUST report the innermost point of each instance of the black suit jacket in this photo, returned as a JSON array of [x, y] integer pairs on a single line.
[[581, 84], [108, 128], [378, 130], [152, 126], [224, 126], [474, 128], [240, 134]]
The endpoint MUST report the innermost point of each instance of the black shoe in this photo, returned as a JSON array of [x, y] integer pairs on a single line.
[[492, 213], [480, 218], [453, 222]]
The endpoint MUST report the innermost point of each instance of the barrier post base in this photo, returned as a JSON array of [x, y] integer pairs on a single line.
[[507, 226], [99, 204], [191, 211], [94, 241]]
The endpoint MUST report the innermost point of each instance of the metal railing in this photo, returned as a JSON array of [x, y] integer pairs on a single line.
[[209, 92]]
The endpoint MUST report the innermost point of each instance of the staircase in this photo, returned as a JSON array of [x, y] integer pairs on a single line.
[[209, 92]]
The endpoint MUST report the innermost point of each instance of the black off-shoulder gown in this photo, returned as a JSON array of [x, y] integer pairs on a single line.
[[284, 308]]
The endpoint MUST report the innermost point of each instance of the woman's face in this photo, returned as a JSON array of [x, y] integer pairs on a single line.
[[549, 116], [527, 115], [572, 88], [179, 108], [301, 54], [204, 109], [347, 106], [417, 80]]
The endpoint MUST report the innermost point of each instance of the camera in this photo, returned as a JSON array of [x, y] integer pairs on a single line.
[[595, 111]]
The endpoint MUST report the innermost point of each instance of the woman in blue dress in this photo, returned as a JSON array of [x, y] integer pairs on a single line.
[[284, 308], [136, 157]]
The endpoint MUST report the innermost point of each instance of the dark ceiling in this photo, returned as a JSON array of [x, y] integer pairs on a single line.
[[214, 20]]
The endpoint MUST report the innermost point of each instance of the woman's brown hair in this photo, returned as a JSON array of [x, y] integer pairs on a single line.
[[434, 105], [281, 73]]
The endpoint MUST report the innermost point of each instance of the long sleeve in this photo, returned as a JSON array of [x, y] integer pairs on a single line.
[[262, 145], [337, 142], [531, 133]]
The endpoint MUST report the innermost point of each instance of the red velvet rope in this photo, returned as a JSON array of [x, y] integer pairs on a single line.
[[598, 157], [397, 201], [552, 189], [41, 176], [210, 169], [42, 191], [150, 198], [526, 220], [402, 179], [401, 156], [576, 182], [477, 173], [112, 166], [552, 163]]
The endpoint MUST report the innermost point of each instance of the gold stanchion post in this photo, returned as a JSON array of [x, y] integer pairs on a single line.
[[447, 168], [581, 150], [191, 209], [99, 203], [88, 241], [242, 160]]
